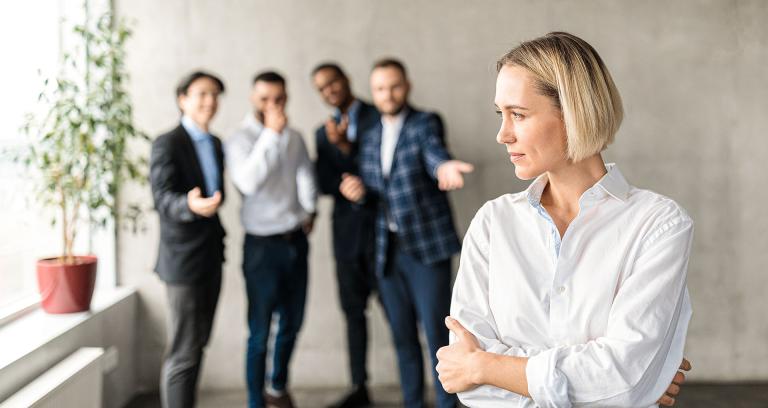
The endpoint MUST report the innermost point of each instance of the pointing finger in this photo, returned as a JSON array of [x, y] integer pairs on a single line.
[[465, 167]]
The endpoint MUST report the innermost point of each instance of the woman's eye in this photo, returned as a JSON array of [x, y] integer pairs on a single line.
[[498, 112], [517, 115]]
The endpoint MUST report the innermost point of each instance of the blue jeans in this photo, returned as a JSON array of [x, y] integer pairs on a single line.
[[411, 291], [275, 272]]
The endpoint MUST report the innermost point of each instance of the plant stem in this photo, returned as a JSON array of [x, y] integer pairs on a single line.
[[65, 227]]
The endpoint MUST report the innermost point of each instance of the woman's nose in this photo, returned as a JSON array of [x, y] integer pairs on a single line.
[[505, 135]]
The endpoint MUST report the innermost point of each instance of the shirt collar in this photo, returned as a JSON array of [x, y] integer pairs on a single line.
[[612, 183], [399, 119], [354, 107], [255, 128], [194, 131], [534, 191], [252, 123]]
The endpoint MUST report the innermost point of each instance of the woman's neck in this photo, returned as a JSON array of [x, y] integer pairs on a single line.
[[567, 184]]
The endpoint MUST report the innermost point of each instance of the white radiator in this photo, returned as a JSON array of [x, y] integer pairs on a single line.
[[74, 382]]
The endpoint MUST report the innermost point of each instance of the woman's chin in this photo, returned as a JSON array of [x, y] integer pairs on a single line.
[[524, 172]]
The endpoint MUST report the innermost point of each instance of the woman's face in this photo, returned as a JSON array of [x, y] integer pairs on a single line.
[[532, 127]]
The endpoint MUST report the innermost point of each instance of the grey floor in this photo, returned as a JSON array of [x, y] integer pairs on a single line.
[[692, 396], [384, 397]]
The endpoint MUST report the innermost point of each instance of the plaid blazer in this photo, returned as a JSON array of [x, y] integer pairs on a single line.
[[410, 194]]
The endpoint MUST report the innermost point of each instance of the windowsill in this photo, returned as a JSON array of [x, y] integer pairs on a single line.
[[14, 310], [28, 333]]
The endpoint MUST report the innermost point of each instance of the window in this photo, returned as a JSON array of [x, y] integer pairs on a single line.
[[33, 36]]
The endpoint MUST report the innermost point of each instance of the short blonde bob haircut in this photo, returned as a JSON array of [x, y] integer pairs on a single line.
[[570, 72]]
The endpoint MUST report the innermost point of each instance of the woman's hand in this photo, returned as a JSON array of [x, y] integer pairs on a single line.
[[457, 368], [668, 399]]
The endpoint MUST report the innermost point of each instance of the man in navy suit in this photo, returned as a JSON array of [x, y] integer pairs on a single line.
[[405, 169], [338, 141]]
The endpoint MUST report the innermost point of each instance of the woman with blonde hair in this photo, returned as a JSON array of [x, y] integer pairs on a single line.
[[572, 292]]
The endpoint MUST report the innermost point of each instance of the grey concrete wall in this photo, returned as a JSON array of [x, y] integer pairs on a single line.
[[692, 75]]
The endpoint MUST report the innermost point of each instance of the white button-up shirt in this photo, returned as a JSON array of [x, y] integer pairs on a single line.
[[390, 134], [274, 174], [601, 314]]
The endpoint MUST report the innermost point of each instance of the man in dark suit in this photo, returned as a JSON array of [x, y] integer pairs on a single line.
[[187, 178], [406, 168], [337, 142]]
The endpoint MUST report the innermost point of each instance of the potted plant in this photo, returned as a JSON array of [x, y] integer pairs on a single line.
[[78, 155]]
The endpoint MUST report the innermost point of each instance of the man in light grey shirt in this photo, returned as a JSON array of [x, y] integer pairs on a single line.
[[269, 165]]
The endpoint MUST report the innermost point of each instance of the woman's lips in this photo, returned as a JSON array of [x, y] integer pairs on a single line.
[[515, 156]]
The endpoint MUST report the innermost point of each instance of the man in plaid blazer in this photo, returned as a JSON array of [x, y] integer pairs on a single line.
[[406, 169]]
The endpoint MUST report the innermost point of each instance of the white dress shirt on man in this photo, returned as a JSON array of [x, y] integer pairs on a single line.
[[602, 314], [274, 174], [390, 134]]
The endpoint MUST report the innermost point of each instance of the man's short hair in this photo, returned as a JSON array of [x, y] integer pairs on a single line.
[[570, 72], [329, 65], [390, 63], [269, 76], [187, 81]]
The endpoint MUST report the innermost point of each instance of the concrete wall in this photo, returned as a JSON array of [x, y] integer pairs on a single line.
[[692, 75]]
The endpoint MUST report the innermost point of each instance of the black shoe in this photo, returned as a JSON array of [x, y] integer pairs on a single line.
[[357, 398], [283, 401]]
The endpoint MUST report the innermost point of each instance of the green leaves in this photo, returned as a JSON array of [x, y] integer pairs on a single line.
[[78, 150]]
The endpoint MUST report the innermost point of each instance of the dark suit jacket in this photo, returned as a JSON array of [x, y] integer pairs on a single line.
[[352, 223], [410, 194], [191, 246]]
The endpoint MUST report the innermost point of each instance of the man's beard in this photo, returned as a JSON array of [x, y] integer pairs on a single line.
[[396, 110], [344, 102]]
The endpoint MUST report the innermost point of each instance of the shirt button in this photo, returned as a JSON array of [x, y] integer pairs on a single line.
[[561, 289]]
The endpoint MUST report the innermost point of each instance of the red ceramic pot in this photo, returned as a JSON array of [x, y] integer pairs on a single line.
[[66, 288]]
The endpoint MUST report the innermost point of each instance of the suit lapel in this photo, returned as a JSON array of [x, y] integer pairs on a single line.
[[401, 142]]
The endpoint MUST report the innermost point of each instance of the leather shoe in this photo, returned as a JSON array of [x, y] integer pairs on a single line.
[[283, 401], [357, 398]]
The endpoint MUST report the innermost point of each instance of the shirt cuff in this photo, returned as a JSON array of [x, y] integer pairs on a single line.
[[546, 384]]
